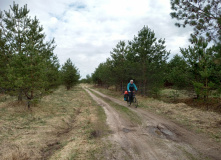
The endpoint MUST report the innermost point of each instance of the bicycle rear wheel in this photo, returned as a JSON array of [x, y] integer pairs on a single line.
[[128, 103]]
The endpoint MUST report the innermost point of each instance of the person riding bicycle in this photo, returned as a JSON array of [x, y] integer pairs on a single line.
[[130, 88]]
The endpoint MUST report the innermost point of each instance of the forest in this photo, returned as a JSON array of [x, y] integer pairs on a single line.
[[29, 68], [145, 58], [48, 111]]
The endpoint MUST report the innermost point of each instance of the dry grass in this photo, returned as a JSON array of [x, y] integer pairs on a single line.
[[192, 118], [172, 93], [61, 126]]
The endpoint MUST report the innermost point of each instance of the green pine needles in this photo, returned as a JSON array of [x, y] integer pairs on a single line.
[[203, 15], [142, 59], [70, 74], [28, 65]]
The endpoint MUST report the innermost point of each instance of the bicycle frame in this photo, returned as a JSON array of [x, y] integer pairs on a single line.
[[133, 100]]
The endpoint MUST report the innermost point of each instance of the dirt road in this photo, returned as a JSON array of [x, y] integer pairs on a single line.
[[157, 138]]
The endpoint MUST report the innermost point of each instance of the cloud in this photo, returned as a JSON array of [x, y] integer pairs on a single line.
[[87, 30]]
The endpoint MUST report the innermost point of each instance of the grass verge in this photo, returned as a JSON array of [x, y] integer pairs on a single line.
[[64, 125]]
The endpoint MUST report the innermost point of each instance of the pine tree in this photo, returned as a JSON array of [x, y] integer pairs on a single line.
[[178, 73], [148, 55], [119, 62], [88, 78], [104, 75], [5, 56], [70, 74], [203, 15], [52, 74], [14, 26], [200, 59], [30, 55]]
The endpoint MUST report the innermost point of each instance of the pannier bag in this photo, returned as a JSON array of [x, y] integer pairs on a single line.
[[126, 96]]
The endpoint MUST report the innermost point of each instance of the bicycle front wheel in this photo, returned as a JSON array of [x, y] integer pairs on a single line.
[[128, 102], [135, 102]]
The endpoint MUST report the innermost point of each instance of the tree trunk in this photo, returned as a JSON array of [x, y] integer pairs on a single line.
[[68, 87], [20, 96], [144, 88], [29, 104], [144, 78], [32, 94]]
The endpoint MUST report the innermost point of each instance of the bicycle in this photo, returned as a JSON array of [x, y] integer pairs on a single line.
[[134, 101]]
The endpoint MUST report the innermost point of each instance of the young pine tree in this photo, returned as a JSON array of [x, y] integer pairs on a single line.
[[178, 73], [70, 74], [149, 57], [200, 59], [119, 62], [29, 53]]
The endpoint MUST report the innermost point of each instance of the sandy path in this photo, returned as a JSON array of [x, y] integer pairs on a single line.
[[157, 137], [175, 133]]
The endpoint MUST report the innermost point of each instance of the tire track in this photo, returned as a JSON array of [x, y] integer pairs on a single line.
[[140, 142], [177, 139]]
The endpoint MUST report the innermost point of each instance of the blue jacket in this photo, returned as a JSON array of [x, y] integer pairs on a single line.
[[131, 85]]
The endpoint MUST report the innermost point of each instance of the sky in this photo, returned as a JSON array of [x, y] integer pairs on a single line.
[[86, 31]]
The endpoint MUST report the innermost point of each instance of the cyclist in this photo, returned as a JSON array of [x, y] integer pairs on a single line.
[[130, 88]]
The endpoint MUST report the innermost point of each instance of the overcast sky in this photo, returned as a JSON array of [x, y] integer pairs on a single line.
[[87, 30]]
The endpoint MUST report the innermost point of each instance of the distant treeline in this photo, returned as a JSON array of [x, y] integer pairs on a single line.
[[28, 66], [145, 58]]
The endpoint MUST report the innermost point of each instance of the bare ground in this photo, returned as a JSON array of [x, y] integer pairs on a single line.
[[157, 137]]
